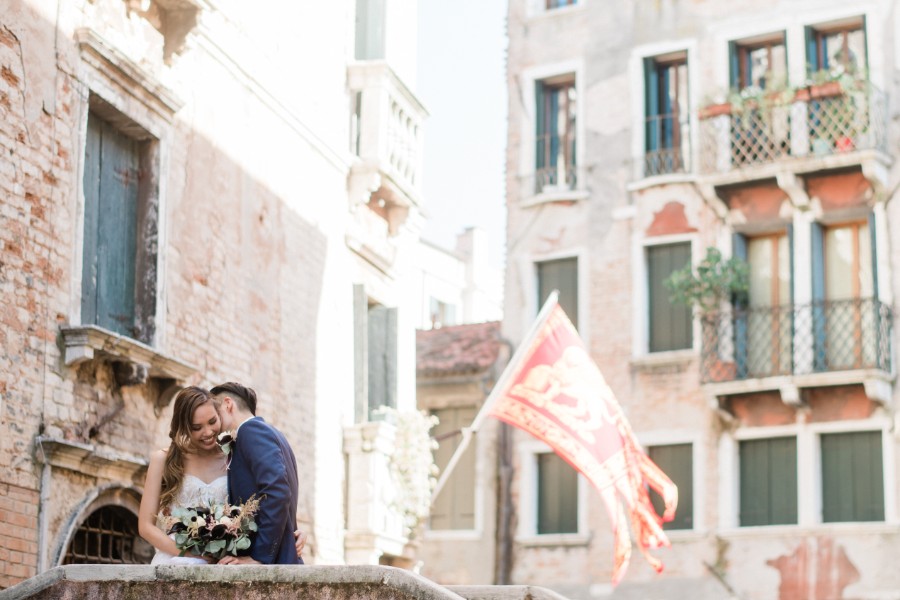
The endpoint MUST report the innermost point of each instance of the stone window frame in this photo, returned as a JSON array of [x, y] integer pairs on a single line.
[[118, 90], [526, 533], [809, 476]]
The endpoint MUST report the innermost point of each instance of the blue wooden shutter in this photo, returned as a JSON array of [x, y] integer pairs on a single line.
[[741, 357], [651, 91], [670, 324], [817, 236], [540, 126], [734, 67], [110, 235], [812, 54]]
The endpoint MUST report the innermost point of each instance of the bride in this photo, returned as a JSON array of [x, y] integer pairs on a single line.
[[192, 472]]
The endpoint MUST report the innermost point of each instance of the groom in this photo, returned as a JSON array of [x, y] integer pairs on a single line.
[[262, 463]]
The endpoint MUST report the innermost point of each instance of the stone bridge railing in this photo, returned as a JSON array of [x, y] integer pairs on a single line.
[[175, 582]]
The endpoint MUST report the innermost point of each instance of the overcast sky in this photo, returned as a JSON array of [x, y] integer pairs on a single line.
[[461, 81]]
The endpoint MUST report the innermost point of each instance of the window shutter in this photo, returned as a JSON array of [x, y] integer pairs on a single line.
[[560, 275], [852, 477], [768, 482], [676, 461], [540, 126], [734, 67], [812, 55], [557, 495], [818, 297], [651, 91], [91, 222], [739, 250], [382, 360], [670, 325]]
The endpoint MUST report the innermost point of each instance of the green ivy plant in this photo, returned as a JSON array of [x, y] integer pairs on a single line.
[[714, 281]]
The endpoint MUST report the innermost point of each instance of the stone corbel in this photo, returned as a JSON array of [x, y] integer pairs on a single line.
[[879, 391], [790, 395], [794, 188], [876, 173], [712, 199]]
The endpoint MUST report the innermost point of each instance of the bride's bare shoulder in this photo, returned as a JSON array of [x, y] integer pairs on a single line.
[[158, 457]]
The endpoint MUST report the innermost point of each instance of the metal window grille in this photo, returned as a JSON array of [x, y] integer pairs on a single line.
[[109, 536]]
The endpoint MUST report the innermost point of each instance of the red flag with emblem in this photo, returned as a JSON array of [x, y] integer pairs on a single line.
[[557, 394]]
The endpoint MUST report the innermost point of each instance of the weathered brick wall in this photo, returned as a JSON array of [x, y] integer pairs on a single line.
[[252, 215]]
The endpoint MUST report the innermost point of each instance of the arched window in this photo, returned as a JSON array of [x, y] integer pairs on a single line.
[[108, 536]]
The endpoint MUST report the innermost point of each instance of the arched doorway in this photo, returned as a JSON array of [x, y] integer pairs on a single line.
[[107, 532]]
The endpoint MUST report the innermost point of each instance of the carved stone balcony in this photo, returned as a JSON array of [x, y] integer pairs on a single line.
[[387, 138], [799, 345], [820, 126]]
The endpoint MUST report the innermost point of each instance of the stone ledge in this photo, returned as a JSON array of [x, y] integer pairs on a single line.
[[274, 582], [504, 592], [88, 459], [82, 343]]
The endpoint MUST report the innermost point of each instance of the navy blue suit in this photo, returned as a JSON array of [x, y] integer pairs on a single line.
[[263, 463]]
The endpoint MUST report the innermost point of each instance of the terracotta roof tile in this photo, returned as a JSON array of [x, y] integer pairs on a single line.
[[457, 349]]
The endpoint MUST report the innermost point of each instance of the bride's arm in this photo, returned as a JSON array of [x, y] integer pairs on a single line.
[[150, 507]]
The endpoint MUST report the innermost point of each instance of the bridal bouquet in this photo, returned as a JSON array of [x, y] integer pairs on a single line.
[[215, 530]]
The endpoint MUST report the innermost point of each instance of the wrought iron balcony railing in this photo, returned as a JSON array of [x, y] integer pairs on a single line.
[[669, 145], [817, 121], [795, 339]]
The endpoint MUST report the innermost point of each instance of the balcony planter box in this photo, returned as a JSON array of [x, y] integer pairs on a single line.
[[715, 110], [829, 89]]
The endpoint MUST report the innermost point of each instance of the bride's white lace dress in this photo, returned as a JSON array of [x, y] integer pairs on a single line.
[[194, 492]]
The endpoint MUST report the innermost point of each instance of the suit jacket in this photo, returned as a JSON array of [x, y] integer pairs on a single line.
[[263, 463]]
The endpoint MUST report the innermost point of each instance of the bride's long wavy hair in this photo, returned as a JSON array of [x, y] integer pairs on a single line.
[[187, 401]]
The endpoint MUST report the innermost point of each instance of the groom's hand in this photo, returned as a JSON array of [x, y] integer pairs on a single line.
[[238, 560]]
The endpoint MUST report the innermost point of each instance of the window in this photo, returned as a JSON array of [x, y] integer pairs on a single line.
[[764, 329], [454, 508], [560, 3], [557, 498], [768, 481], [375, 355], [677, 462], [560, 275], [845, 316], [761, 64], [837, 46], [109, 536], [670, 324], [852, 477], [556, 106], [667, 136], [118, 283], [442, 314]]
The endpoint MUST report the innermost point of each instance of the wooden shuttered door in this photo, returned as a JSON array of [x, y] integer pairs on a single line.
[[454, 507], [111, 171], [560, 275], [677, 462], [852, 477], [557, 501], [768, 481], [670, 323]]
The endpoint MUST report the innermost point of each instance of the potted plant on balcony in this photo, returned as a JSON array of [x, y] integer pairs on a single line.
[[716, 280]]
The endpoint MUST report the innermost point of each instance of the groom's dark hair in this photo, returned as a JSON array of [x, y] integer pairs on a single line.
[[243, 395]]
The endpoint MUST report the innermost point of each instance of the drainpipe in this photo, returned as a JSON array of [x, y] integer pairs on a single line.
[[503, 553], [43, 510]]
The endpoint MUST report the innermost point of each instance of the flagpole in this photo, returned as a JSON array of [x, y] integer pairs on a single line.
[[492, 398]]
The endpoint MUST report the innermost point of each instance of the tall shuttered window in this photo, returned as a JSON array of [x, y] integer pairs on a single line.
[[454, 508], [119, 254], [676, 461], [557, 501], [556, 104], [560, 275], [670, 324], [667, 118], [852, 477], [768, 481]]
